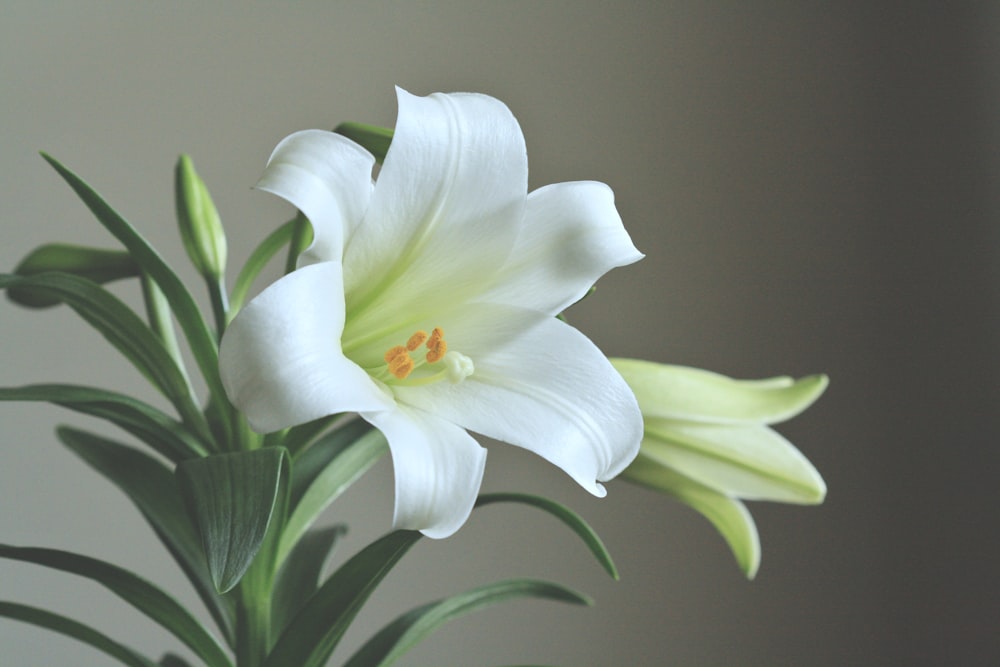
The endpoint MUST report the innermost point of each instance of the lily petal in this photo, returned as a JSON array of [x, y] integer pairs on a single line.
[[329, 178], [572, 236], [729, 516], [447, 207], [692, 394], [280, 358], [748, 461], [438, 469], [550, 391]]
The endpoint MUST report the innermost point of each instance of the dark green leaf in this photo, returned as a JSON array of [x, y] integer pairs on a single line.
[[122, 328], [302, 236], [152, 488], [307, 466], [298, 438], [76, 630], [172, 660], [374, 139], [96, 264], [573, 520], [351, 457], [163, 434], [258, 259], [133, 589], [200, 338], [299, 577], [411, 628], [231, 498], [315, 631]]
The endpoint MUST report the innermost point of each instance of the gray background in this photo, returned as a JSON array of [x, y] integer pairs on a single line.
[[815, 187]]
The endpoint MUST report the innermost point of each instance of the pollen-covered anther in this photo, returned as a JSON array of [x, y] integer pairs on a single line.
[[437, 353], [401, 365], [416, 340], [394, 352]]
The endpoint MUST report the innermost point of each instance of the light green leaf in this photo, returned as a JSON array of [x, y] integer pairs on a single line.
[[315, 631], [411, 628], [76, 630], [299, 577], [692, 394], [122, 328], [133, 589], [572, 520], [231, 498], [374, 139], [159, 431], [258, 259], [151, 486], [729, 516], [749, 461], [200, 338], [96, 264], [341, 458]]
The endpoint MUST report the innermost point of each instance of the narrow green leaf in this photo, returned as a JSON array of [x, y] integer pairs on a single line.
[[309, 464], [151, 486], [173, 660], [258, 259], [572, 520], [374, 139], [122, 328], [413, 627], [76, 630], [299, 577], [315, 631], [231, 498], [96, 264], [298, 438], [133, 589], [302, 236], [200, 338], [159, 431], [346, 465], [729, 516]]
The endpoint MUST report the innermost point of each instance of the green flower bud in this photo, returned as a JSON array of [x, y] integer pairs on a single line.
[[707, 442], [201, 228]]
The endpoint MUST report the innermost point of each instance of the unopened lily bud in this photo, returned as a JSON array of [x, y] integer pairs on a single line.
[[201, 228]]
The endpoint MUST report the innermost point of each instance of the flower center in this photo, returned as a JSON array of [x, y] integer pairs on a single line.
[[400, 365]]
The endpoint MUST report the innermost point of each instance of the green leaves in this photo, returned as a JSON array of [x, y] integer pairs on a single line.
[[94, 264], [232, 498], [409, 629], [138, 592]]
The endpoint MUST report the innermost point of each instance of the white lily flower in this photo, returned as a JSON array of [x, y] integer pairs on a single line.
[[708, 443], [426, 304]]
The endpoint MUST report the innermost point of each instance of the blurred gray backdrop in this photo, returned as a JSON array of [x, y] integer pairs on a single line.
[[814, 186]]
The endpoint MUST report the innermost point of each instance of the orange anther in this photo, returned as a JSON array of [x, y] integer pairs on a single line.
[[401, 365], [437, 353], [436, 335], [416, 340], [394, 352]]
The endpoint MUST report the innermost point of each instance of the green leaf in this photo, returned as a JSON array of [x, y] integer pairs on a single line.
[[151, 486], [308, 465], [299, 438], [76, 630], [374, 139], [122, 328], [299, 577], [573, 520], [133, 589], [96, 264], [315, 631], [231, 498], [258, 259], [692, 394], [350, 459], [729, 516], [302, 237], [413, 627], [200, 338], [159, 431], [172, 660]]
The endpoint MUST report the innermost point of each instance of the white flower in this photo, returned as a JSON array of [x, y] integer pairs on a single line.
[[426, 303]]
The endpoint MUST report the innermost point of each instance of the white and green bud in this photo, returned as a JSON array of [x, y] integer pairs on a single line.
[[200, 225], [707, 442]]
